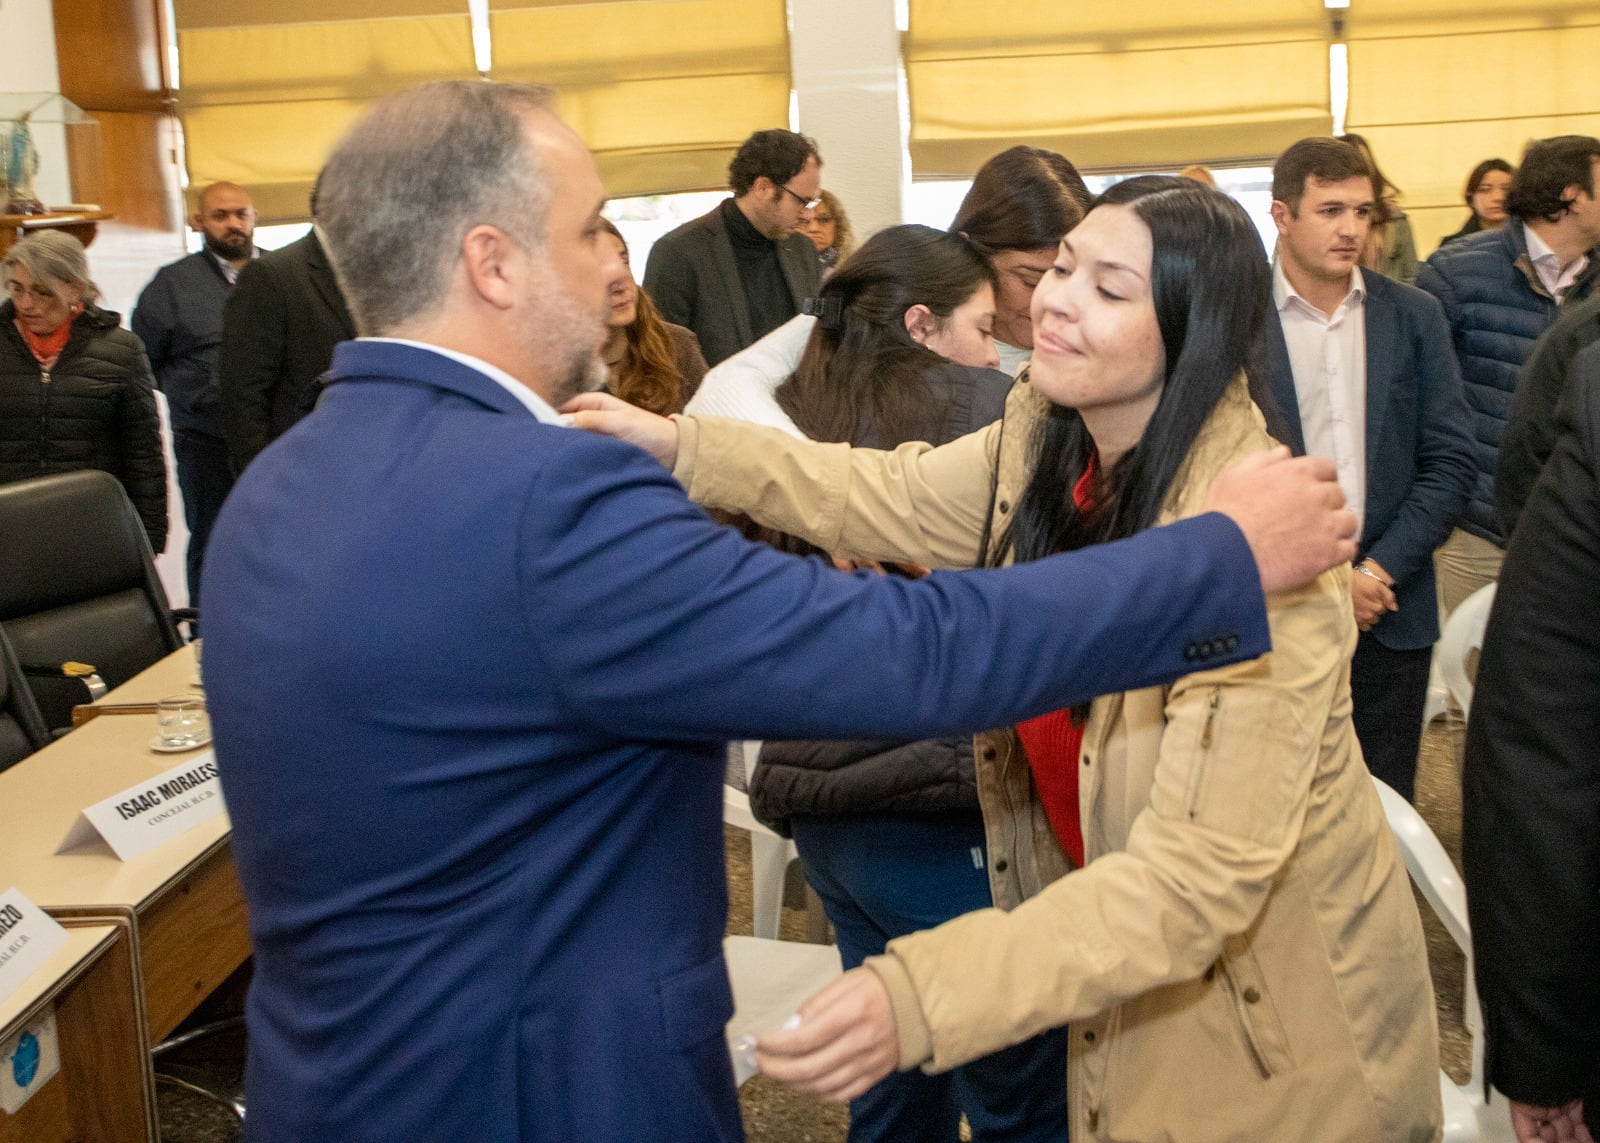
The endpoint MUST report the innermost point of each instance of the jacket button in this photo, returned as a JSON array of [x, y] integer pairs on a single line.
[[1191, 653], [1005, 505], [1233, 642], [1204, 650], [1087, 760], [1089, 1036], [989, 753], [1001, 865], [1251, 996]]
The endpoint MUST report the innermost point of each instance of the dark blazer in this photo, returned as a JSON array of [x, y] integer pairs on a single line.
[[279, 327], [694, 281], [1530, 842], [470, 714], [1419, 454]]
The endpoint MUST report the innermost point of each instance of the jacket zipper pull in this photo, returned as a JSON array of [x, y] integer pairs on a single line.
[[1211, 717], [44, 376]]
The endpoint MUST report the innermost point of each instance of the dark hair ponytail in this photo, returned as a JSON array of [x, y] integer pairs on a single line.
[[1210, 285], [862, 378]]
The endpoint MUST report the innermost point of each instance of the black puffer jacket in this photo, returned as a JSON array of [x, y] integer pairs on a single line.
[[96, 409], [841, 779]]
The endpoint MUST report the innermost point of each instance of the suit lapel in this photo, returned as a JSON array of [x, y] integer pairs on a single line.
[[791, 274], [1383, 344], [1280, 380]]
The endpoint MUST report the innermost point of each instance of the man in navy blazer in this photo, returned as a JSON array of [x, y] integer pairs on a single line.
[[470, 670], [1360, 370]]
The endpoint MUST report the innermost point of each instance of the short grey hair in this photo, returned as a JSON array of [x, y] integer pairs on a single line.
[[420, 169], [55, 257]]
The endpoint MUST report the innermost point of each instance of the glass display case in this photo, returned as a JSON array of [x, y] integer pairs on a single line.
[[50, 159]]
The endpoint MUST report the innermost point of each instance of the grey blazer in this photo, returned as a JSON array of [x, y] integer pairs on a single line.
[[694, 281]]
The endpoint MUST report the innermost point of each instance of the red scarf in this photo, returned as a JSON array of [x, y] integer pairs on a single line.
[[46, 347], [1053, 743]]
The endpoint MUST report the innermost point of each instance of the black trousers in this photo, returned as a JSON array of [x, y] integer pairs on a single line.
[[204, 478], [1389, 689]]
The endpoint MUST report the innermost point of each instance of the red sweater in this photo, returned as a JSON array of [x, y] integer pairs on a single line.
[[1052, 744]]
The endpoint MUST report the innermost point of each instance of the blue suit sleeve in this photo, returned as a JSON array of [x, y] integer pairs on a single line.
[[661, 624]]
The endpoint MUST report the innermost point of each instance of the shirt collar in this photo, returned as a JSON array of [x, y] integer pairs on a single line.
[[1538, 249], [229, 271], [534, 403], [1283, 294]]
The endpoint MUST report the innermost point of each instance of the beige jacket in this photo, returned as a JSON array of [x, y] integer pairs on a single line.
[[1242, 958]]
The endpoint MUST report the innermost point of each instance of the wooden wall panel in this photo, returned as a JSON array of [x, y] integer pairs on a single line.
[[109, 53], [111, 56]]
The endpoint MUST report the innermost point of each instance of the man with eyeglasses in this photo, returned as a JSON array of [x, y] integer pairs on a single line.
[[739, 272]]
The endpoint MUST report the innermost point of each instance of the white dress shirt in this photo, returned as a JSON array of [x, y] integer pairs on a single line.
[[536, 404], [1557, 279], [1328, 357]]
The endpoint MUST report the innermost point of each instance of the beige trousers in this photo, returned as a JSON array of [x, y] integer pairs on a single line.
[[1463, 564]]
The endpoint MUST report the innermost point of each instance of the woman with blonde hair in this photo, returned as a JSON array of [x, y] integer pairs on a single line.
[[828, 227], [649, 361]]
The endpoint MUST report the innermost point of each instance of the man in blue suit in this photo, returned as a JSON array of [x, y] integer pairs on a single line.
[[1361, 372], [470, 670]]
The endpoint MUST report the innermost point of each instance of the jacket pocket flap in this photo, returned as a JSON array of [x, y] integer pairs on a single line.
[[695, 1003]]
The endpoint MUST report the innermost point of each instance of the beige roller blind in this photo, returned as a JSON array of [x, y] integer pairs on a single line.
[[662, 92], [269, 86], [1436, 87], [1154, 83]]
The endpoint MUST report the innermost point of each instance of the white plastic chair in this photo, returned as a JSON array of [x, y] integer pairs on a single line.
[[1467, 1118], [770, 853], [1463, 634], [771, 979], [1438, 695]]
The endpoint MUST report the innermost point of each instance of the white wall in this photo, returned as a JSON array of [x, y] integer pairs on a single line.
[[28, 31], [845, 56]]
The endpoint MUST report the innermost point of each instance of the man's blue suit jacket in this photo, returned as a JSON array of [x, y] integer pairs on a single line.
[[1419, 454], [470, 674]]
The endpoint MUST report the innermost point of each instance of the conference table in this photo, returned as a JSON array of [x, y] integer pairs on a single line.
[[103, 1090], [181, 900]]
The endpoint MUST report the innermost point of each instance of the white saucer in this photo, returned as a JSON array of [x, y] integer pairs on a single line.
[[161, 747]]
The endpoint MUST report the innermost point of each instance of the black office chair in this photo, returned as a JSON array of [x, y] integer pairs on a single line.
[[22, 727], [78, 585]]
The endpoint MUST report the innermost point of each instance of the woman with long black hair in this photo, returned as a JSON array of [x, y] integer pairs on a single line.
[[904, 351], [1198, 878]]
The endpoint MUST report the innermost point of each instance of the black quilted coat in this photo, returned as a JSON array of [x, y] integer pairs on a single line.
[[95, 409]]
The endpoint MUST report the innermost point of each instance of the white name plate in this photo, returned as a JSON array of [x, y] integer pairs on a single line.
[[28, 935], [143, 816]]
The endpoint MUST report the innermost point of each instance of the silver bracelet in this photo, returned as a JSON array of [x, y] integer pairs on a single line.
[[1366, 571]]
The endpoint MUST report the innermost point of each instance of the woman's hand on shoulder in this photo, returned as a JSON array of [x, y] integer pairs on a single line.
[[604, 414]]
